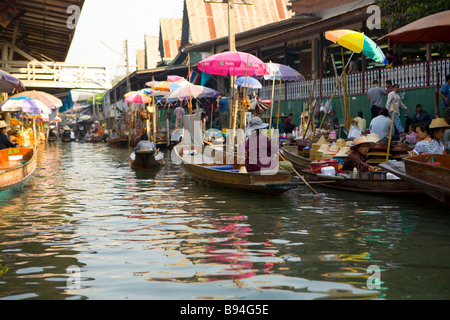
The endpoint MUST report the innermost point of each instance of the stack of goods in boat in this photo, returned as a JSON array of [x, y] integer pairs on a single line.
[[329, 172]]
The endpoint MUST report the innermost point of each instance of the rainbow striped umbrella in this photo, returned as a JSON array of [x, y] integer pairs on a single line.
[[357, 42]]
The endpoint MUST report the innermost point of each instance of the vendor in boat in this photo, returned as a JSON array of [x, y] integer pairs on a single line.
[[113, 134], [51, 133], [438, 127], [5, 142], [66, 132], [258, 148], [358, 158], [428, 141], [144, 143], [88, 137]]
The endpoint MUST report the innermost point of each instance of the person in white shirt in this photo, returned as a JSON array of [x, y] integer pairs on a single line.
[[393, 104], [381, 125], [179, 113]]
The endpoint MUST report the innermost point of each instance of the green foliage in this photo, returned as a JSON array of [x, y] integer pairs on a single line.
[[402, 12], [98, 99]]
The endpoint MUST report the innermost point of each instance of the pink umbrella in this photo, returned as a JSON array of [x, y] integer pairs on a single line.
[[137, 97], [233, 63]]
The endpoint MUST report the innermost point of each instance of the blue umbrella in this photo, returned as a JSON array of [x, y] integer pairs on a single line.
[[248, 82]]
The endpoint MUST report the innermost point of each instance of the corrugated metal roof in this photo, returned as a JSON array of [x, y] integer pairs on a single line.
[[42, 27], [209, 21], [170, 37]]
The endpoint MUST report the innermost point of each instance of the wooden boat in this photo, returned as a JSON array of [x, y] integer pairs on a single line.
[[117, 142], [52, 139], [370, 182], [429, 173], [16, 165], [145, 159], [228, 175], [66, 139], [290, 153]]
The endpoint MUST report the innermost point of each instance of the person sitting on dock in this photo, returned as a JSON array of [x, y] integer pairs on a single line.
[[427, 144], [288, 125], [358, 158], [5, 142]]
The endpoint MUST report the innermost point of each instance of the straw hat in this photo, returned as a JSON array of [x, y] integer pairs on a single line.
[[340, 143], [3, 124], [343, 152], [322, 140], [373, 137], [333, 149], [304, 114], [66, 128], [362, 140], [256, 123], [439, 123], [323, 148]]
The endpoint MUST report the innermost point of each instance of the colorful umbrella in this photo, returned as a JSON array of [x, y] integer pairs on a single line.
[[86, 117], [9, 83], [357, 42], [159, 85], [57, 119], [137, 97], [233, 63], [46, 98], [279, 71], [192, 91], [248, 82], [25, 104]]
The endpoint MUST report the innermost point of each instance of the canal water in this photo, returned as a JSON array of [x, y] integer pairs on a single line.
[[83, 229]]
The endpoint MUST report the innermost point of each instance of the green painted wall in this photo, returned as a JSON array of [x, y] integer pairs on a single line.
[[424, 96]]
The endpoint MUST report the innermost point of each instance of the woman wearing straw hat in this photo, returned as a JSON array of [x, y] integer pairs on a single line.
[[430, 137], [358, 158], [5, 143], [258, 148]]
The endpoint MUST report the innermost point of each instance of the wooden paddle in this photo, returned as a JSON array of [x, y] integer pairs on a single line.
[[123, 161], [300, 176]]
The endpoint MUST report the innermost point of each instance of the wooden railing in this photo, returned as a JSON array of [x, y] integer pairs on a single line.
[[410, 76], [72, 75]]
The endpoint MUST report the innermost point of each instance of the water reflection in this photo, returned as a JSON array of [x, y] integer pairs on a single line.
[[160, 235]]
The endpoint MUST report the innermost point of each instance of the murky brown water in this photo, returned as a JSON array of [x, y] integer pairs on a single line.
[[83, 229]]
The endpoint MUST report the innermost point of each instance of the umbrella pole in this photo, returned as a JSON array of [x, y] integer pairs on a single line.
[[131, 121], [390, 136], [279, 102], [271, 109]]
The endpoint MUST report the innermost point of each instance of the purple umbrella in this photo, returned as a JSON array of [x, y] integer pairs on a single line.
[[24, 104], [286, 73], [9, 83]]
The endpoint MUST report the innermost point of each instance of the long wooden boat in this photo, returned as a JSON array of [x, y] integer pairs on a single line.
[[16, 165], [66, 139], [429, 173], [145, 160], [117, 142], [290, 153], [375, 183], [228, 175]]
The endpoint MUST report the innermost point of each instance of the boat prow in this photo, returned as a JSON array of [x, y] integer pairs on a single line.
[[428, 173], [204, 169], [146, 159], [16, 166]]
